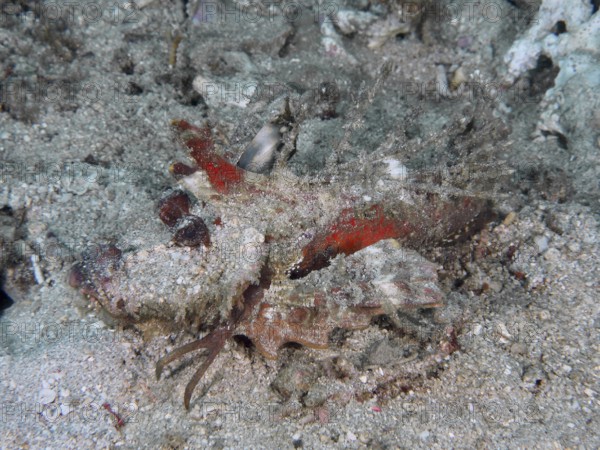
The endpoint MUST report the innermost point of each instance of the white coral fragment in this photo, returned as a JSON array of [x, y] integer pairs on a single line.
[[539, 38]]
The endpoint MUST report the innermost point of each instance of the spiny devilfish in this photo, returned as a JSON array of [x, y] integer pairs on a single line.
[[277, 258]]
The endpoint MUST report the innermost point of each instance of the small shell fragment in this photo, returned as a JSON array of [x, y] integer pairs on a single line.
[[458, 78], [46, 396], [509, 219], [259, 156]]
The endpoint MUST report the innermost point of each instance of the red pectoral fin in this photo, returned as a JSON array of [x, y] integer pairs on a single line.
[[351, 233], [222, 175], [348, 234]]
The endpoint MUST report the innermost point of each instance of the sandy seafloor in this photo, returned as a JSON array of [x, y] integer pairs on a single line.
[[84, 154]]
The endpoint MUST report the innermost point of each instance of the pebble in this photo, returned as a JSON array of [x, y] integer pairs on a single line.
[[503, 331], [589, 392], [350, 436], [424, 435], [350, 21], [297, 440], [459, 77], [552, 255], [46, 396], [510, 218], [518, 349], [542, 243], [495, 286], [544, 315], [65, 409]]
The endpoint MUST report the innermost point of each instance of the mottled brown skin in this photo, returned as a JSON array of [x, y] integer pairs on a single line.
[[173, 207], [429, 220], [95, 269]]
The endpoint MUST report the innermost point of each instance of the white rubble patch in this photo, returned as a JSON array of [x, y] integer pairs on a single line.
[[396, 169], [576, 53], [350, 21], [539, 38], [233, 92], [332, 43]]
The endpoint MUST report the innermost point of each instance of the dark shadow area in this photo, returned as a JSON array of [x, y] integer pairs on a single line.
[[5, 301]]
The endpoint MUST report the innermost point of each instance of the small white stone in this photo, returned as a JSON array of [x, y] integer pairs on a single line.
[[542, 243], [503, 331], [350, 436], [46, 396], [395, 169], [363, 379], [424, 435], [65, 409], [552, 255]]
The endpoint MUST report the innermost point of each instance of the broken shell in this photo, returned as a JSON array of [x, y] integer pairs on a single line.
[[458, 78], [259, 156], [46, 396]]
